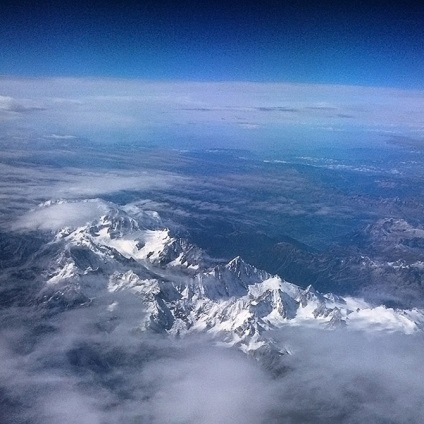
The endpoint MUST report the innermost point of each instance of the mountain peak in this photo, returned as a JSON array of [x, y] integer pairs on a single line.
[[244, 271]]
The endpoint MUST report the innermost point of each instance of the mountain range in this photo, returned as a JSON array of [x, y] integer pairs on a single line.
[[177, 288]]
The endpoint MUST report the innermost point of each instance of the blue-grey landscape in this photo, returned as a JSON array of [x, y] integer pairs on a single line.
[[211, 213]]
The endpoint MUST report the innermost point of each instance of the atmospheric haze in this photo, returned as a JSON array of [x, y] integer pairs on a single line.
[[123, 206]]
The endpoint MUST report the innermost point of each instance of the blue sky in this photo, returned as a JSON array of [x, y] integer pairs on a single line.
[[346, 42]]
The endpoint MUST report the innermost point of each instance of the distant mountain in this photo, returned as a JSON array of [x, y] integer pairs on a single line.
[[383, 262]]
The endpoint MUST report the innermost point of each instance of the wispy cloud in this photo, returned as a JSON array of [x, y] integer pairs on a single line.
[[39, 184], [61, 137], [59, 215]]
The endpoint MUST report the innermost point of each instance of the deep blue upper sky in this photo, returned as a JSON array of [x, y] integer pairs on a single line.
[[341, 42]]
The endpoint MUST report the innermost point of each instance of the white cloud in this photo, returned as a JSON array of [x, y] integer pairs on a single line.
[[10, 104], [209, 386], [351, 377], [65, 368], [59, 215], [61, 137]]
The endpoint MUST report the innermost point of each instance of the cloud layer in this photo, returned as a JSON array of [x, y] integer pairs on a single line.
[[90, 366], [107, 109]]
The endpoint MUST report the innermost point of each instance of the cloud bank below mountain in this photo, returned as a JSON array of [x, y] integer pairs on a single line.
[[67, 369]]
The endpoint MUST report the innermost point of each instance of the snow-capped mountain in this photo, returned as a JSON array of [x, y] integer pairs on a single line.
[[180, 290]]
